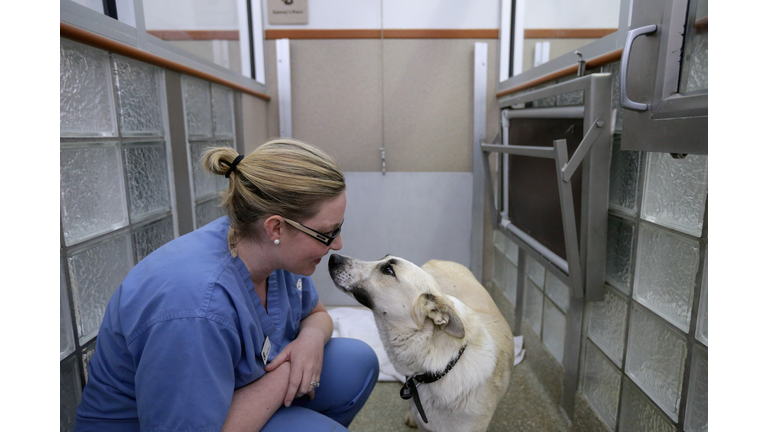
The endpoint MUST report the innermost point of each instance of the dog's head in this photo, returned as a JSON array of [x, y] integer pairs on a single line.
[[397, 291]]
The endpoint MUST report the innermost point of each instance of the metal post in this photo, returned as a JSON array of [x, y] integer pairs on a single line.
[[520, 295], [569, 222], [478, 195], [282, 47]]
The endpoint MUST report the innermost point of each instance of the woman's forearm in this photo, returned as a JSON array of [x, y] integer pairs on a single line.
[[319, 323], [253, 405]]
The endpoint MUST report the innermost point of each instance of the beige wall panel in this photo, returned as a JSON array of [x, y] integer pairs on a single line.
[[255, 127], [336, 92], [428, 104]]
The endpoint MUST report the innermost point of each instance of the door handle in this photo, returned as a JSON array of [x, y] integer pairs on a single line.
[[631, 36]]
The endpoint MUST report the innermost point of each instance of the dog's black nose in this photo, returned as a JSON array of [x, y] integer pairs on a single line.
[[335, 260]]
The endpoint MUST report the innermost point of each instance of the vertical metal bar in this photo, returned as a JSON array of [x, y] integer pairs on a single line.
[[141, 26], [178, 138], [520, 295], [572, 350], [237, 100], [504, 173], [282, 47], [596, 171], [569, 223], [478, 195], [488, 179]]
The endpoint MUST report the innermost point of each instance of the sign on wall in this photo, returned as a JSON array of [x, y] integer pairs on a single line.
[[288, 11]]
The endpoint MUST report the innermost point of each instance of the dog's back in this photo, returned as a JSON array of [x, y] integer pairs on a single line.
[[458, 281]]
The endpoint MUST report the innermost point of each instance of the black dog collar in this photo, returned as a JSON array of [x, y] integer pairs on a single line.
[[409, 388]]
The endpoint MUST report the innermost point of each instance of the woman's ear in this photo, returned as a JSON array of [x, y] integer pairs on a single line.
[[273, 226]]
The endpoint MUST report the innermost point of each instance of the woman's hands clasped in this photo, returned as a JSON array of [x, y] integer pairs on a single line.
[[305, 355]]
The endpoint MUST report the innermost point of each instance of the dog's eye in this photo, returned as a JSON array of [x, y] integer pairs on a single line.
[[387, 269]]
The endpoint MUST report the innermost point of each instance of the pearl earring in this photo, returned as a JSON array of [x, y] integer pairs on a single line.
[[277, 241]]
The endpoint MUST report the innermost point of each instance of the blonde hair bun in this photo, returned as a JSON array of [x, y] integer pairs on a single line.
[[283, 177]]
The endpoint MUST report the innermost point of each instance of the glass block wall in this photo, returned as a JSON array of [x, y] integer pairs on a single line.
[[117, 185], [643, 363], [208, 111], [116, 193]]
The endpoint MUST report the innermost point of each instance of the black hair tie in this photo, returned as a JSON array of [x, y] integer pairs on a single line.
[[233, 165]]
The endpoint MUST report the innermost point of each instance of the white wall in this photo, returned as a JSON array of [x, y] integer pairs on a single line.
[[191, 14], [330, 14], [399, 14], [416, 216], [388, 14], [571, 14]]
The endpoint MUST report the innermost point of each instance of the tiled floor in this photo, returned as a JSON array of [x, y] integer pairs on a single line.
[[525, 408]]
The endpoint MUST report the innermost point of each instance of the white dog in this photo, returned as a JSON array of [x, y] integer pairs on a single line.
[[440, 329]]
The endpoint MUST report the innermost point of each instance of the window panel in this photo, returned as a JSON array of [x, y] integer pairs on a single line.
[[511, 250], [535, 272], [208, 212], [656, 359], [618, 266], [150, 237], [607, 324], [223, 116], [601, 383], [92, 192], [69, 393], [553, 331], [696, 418], [638, 414], [572, 98], [695, 70], [510, 277], [532, 309], [148, 184], [138, 94], [557, 291], [498, 268], [499, 240], [666, 274], [702, 328], [615, 69], [67, 338], [205, 183], [197, 108], [625, 177], [697, 66], [676, 192], [85, 91], [96, 273]]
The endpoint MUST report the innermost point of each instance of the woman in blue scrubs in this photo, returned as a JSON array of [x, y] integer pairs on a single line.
[[222, 328]]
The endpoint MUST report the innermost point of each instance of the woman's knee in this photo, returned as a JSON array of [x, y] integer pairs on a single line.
[[358, 353]]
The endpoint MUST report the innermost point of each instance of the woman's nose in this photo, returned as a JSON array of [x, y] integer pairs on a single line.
[[336, 244]]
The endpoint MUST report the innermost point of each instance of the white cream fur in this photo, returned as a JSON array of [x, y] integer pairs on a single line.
[[464, 399]]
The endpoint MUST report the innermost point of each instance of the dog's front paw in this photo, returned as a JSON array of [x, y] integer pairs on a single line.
[[409, 421]]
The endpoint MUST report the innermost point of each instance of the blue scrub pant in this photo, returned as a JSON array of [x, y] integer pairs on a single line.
[[350, 370]]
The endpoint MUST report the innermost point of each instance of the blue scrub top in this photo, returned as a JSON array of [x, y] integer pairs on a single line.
[[183, 331]]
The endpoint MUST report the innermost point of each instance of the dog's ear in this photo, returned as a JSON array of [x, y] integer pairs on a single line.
[[440, 310]]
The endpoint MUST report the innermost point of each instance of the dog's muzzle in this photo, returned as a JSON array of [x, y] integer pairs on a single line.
[[336, 267], [335, 260]]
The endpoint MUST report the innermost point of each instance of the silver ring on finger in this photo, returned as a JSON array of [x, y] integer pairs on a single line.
[[315, 384]]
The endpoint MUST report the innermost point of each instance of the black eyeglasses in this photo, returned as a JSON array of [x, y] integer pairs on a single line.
[[325, 239]]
